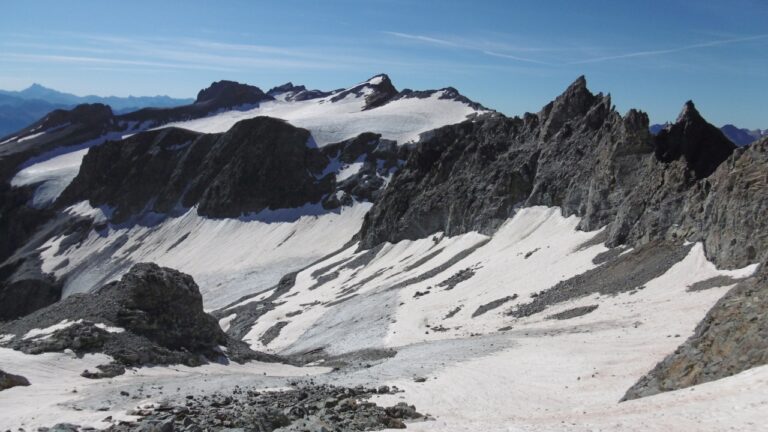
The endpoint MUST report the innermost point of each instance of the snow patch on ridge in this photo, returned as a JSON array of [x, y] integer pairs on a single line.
[[53, 175], [402, 120]]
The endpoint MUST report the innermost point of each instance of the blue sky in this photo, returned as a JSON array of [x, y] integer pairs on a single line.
[[513, 56]]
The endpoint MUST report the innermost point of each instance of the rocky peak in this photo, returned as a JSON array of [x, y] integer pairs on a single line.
[[378, 90], [576, 101], [230, 93], [87, 114], [689, 113], [702, 145], [285, 88]]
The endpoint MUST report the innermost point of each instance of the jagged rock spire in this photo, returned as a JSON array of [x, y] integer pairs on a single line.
[[575, 101], [703, 145]]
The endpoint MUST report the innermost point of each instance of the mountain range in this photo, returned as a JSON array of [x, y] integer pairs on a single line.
[[19, 109], [371, 258]]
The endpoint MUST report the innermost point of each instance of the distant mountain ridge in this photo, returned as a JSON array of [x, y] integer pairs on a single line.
[[118, 104], [739, 136], [19, 109]]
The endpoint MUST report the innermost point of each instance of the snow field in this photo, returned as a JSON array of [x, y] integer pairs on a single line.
[[228, 258]]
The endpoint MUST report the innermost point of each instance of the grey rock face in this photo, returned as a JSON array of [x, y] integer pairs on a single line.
[[579, 154], [439, 187], [727, 211]]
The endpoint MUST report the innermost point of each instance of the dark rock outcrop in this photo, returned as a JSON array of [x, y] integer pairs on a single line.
[[153, 315], [228, 94], [260, 163], [164, 306], [9, 381], [703, 146]]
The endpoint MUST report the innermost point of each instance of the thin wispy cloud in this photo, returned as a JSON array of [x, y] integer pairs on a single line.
[[422, 38], [671, 50], [190, 53], [169, 53], [518, 58], [483, 47], [100, 60]]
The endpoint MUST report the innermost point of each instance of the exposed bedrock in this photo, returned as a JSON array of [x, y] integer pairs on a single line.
[[578, 153], [261, 163]]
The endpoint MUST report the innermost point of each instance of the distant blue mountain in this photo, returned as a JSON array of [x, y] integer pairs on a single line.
[[19, 109], [738, 136], [742, 137]]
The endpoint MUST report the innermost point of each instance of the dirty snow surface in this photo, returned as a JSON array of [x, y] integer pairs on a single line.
[[441, 307], [402, 120]]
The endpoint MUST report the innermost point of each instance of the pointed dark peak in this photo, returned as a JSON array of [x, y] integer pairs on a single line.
[[573, 103], [579, 84], [230, 93], [703, 146], [689, 113], [378, 90], [383, 92]]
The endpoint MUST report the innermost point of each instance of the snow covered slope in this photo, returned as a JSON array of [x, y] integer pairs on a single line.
[[442, 307], [444, 304], [228, 258], [452, 287], [330, 119]]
